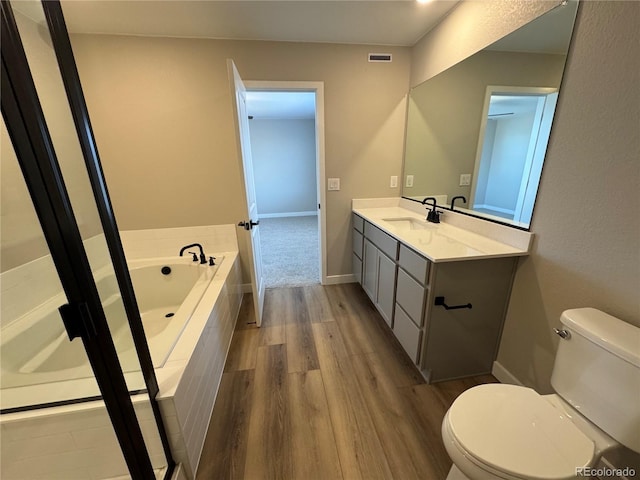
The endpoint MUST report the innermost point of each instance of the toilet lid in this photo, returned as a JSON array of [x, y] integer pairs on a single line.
[[515, 430]]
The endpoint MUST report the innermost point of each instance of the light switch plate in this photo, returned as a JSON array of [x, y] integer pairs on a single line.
[[409, 182], [333, 184], [394, 181], [465, 179]]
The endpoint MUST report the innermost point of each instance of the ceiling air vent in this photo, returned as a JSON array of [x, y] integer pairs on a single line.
[[380, 57]]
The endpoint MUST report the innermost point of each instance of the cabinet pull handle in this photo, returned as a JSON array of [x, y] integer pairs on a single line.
[[440, 301]]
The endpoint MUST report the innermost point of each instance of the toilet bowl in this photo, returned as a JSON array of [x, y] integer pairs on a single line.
[[499, 431]]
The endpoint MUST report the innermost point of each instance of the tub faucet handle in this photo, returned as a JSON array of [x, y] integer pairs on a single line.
[[211, 261], [203, 259]]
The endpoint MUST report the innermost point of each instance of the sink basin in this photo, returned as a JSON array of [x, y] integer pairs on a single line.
[[408, 223]]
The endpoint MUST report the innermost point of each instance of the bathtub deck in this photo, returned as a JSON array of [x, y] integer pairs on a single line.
[[323, 390]]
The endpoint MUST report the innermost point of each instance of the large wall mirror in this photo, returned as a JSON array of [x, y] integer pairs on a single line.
[[480, 129]]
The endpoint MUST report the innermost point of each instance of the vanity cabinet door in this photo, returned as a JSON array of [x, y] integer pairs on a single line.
[[386, 287], [464, 342], [370, 270], [379, 280]]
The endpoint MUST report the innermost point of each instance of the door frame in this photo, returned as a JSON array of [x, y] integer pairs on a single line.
[[318, 89], [491, 90]]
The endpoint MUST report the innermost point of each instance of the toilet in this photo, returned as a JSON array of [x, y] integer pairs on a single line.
[[500, 431]]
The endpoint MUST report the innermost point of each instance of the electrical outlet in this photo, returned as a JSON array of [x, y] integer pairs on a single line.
[[409, 182], [333, 184], [394, 181], [465, 179]]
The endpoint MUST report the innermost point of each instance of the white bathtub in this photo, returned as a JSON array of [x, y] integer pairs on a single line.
[[189, 350], [35, 349]]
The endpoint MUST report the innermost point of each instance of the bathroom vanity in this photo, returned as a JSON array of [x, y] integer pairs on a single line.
[[443, 288]]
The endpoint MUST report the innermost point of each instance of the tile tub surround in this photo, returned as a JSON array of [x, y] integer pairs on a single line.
[[188, 385], [188, 382], [167, 242], [74, 442], [457, 237], [190, 378], [35, 282]]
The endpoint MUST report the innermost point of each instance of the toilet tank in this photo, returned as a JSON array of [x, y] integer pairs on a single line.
[[597, 370]]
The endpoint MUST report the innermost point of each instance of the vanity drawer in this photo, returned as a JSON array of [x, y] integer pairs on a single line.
[[358, 222], [386, 243], [357, 243], [407, 333], [414, 263], [410, 296]]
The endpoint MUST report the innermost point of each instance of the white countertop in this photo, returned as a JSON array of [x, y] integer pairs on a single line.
[[439, 242]]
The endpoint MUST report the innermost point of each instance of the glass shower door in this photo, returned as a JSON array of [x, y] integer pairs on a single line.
[[39, 365], [45, 369], [37, 43]]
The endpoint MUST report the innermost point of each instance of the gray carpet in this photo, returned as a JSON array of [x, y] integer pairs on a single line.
[[290, 251]]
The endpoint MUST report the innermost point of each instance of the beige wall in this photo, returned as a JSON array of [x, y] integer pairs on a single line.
[[20, 233], [587, 216], [471, 26], [162, 116], [21, 236], [161, 110]]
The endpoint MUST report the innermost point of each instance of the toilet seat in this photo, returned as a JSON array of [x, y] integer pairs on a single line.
[[514, 432]]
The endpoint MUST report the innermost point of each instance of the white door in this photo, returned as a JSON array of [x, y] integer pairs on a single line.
[[528, 197], [251, 230]]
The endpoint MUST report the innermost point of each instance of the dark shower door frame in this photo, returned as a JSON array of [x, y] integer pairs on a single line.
[[83, 315]]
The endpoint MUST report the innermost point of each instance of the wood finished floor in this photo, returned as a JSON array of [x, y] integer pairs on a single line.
[[324, 391]]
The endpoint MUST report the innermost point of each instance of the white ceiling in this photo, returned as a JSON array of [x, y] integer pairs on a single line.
[[378, 22], [381, 22], [372, 22]]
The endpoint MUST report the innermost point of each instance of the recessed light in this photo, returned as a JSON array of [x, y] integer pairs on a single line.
[[423, 1]]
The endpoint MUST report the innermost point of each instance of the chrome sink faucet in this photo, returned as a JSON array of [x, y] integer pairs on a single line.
[[433, 216]]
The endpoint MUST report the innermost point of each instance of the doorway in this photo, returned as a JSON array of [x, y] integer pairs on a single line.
[[513, 139], [286, 131]]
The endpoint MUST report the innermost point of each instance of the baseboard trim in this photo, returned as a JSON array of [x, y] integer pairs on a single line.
[[330, 280], [504, 375], [288, 214], [495, 209], [338, 279]]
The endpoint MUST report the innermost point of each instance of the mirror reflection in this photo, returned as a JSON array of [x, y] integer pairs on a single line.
[[480, 129]]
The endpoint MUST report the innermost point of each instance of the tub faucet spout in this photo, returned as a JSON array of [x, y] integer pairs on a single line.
[[203, 258]]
